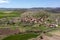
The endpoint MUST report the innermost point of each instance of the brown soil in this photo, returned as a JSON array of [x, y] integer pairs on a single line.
[[7, 31], [54, 37]]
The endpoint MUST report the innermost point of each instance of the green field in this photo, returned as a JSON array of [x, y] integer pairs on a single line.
[[21, 36], [12, 14]]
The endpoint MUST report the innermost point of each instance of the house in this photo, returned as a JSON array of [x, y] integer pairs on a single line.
[[53, 25]]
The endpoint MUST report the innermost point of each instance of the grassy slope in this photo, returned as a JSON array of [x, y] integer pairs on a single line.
[[12, 14], [21, 36]]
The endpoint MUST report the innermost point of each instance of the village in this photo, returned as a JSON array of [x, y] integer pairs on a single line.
[[30, 23]]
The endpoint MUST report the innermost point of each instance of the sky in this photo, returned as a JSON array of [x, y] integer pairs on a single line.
[[29, 3]]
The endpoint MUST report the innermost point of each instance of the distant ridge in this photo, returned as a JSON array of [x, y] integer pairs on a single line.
[[54, 10]]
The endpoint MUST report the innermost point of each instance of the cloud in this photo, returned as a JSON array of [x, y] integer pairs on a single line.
[[4, 1]]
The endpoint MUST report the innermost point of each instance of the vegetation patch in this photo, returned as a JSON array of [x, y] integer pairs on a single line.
[[21, 36]]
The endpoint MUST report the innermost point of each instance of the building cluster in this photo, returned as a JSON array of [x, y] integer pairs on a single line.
[[29, 20], [41, 21]]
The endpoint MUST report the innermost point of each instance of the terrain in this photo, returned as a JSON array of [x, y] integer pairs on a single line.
[[29, 23]]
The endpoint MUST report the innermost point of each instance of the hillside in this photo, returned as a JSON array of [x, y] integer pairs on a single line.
[[16, 21]]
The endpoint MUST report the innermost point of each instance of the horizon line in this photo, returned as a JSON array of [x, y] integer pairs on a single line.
[[30, 7]]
